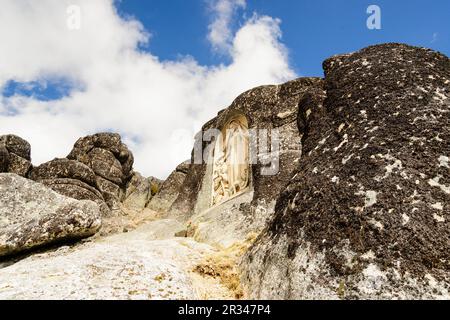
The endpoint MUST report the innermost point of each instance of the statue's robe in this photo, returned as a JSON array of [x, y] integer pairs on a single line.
[[230, 167]]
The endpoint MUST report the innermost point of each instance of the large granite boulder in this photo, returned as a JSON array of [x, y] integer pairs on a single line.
[[15, 155], [64, 168], [367, 213], [139, 191], [98, 168], [110, 160], [169, 190], [4, 158], [31, 216], [106, 154], [72, 179]]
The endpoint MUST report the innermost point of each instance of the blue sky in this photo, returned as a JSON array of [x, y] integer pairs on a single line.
[[155, 71], [312, 29]]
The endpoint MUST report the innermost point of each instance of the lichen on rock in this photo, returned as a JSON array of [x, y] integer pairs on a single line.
[[33, 216], [15, 155], [360, 208]]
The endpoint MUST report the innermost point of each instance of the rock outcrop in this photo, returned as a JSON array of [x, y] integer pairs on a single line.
[[366, 215], [169, 189], [72, 179], [111, 162], [4, 158], [347, 193], [139, 191], [267, 111], [32, 216], [15, 155], [98, 168]]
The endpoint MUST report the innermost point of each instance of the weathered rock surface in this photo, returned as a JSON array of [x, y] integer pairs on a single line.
[[106, 155], [227, 224], [4, 158], [15, 155], [64, 168], [358, 210], [169, 190], [98, 168], [17, 145], [139, 191], [32, 215], [271, 108], [110, 160], [147, 263], [367, 213], [72, 179]]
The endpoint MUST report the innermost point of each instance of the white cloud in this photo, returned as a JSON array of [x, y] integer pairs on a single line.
[[220, 33], [156, 105]]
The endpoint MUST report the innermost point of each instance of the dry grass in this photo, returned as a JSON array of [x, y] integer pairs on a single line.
[[223, 265]]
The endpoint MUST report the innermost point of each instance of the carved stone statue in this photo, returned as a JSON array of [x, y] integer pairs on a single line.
[[231, 156]]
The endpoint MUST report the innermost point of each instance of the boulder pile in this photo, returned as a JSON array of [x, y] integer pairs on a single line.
[[72, 179], [110, 160], [98, 168]]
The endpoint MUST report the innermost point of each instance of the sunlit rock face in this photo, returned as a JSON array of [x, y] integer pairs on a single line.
[[232, 191], [111, 161], [98, 168], [33, 216], [169, 189], [366, 214], [139, 191], [72, 179]]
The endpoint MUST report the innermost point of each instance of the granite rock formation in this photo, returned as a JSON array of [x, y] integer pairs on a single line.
[[15, 155], [32, 216], [72, 179], [366, 214], [4, 157], [271, 108], [169, 189], [139, 191], [358, 207], [110, 160], [98, 168]]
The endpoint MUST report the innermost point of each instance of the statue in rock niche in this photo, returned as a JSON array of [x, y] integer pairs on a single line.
[[231, 156]]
